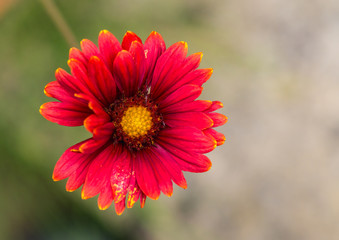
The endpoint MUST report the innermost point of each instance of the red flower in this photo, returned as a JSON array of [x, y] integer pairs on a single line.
[[138, 101]]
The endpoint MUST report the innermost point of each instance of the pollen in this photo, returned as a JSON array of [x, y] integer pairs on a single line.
[[136, 121]]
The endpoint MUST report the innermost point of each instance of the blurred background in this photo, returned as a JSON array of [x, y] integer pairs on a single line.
[[276, 69]]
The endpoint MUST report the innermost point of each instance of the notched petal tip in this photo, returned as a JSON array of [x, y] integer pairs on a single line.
[[83, 41], [104, 31], [55, 179], [103, 207], [94, 59], [200, 54], [185, 45], [83, 196], [40, 109], [70, 189], [57, 71]]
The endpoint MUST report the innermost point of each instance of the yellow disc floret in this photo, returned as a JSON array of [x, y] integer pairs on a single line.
[[136, 121]]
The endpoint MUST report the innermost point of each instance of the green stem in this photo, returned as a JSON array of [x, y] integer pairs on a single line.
[[59, 21]]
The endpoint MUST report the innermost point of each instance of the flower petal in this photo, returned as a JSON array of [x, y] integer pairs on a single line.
[[161, 173], [171, 165], [133, 191], [215, 106], [128, 39], [54, 90], [94, 120], [191, 119], [180, 71], [105, 198], [65, 113], [80, 72], [68, 82], [109, 47], [92, 145], [93, 103], [195, 106], [121, 174], [142, 199], [125, 73], [187, 138], [102, 79], [138, 54], [188, 161], [154, 46], [78, 55], [167, 63], [89, 48], [104, 131], [145, 176], [77, 178], [186, 93], [196, 77], [219, 137], [69, 162], [99, 171], [218, 119], [119, 207]]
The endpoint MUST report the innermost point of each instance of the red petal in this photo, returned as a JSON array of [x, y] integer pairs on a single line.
[[128, 39], [69, 162], [186, 93], [188, 65], [109, 47], [64, 113], [119, 207], [104, 131], [99, 171], [54, 90], [102, 79], [133, 191], [215, 106], [89, 48], [154, 46], [92, 145], [167, 63], [197, 77], [191, 119], [138, 54], [105, 198], [142, 199], [93, 103], [120, 177], [68, 82], [187, 160], [195, 106], [189, 139], [77, 178], [161, 173], [94, 120], [219, 137], [218, 118], [78, 55], [79, 71], [171, 165], [125, 70], [145, 176]]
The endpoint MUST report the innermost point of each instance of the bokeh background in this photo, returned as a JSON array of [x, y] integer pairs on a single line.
[[276, 69]]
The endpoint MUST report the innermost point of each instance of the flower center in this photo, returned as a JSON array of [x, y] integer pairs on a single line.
[[136, 121]]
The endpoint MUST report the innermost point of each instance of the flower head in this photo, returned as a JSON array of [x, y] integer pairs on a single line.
[[139, 102]]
